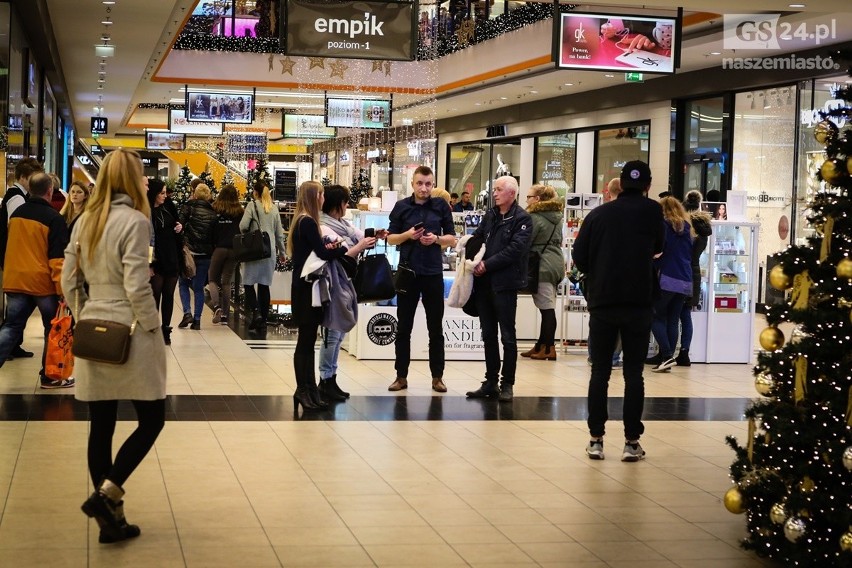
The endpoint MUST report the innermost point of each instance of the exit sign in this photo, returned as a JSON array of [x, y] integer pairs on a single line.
[[100, 125], [633, 78]]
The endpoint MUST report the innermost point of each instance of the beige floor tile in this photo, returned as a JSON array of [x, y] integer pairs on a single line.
[[26, 530], [42, 557], [395, 535], [323, 556], [476, 534], [382, 518], [596, 532], [126, 555], [618, 552], [214, 535], [491, 554], [680, 530], [534, 533], [414, 555], [229, 556], [677, 550], [558, 552]]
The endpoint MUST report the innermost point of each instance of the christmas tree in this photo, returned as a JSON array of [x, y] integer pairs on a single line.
[[793, 475], [360, 189], [183, 192], [260, 172], [207, 178]]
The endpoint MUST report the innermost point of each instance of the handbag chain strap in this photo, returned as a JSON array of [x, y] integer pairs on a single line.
[[77, 290]]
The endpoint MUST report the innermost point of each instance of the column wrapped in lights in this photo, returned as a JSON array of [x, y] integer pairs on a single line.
[[793, 474]]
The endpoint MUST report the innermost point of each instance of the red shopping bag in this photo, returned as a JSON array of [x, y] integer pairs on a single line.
[[58, 360]]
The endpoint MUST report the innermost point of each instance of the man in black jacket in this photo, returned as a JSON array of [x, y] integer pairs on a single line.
[[615, 249], [506, 231]]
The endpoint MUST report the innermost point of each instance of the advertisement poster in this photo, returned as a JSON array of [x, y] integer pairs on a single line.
[[164, 141], [357, 113], [617, 43], [178, 124], [305, 126], [233, 108]]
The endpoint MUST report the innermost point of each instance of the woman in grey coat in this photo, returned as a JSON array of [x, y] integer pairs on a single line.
[[108, 250], [262, 213]]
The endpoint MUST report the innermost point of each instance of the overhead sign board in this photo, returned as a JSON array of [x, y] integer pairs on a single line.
[[100, 125], [357, 113], [178, 124], [360, 29], [305, 126], [214, 106]]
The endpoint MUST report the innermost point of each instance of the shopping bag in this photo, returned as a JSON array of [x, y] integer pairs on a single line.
[[58, 359], [374, 279]]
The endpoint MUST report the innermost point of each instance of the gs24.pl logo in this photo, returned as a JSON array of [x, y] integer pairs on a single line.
[[766, 31]]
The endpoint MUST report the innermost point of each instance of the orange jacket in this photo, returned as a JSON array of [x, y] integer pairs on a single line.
[[35, 250]]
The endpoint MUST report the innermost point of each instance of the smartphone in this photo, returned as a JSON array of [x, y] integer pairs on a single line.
[[418, 226], [370, 232]]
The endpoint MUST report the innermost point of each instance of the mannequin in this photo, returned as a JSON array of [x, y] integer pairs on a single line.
[[502, 167]]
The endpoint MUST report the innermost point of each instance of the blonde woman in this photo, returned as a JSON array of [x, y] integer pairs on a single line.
[[304, 238], [78, 194], [108, 250], [198, 220], [675, 269], [261, 214]]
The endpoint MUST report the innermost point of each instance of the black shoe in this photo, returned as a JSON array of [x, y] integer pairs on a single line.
[[257, 323], [487, 390], [328, 392], [337, 388], [506, 393], [100, 508], [187, 319], [108, 536], [682, 359], [314, 393], [20, 353], [167, 334], [655, 360], [196, 325]]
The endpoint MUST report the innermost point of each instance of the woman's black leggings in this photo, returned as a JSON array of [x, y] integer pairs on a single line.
[[259, 301], [151, 415], [547, 335], [164, 295]]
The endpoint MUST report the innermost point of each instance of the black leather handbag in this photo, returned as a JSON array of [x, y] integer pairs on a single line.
[[253, 244], [373, 279]]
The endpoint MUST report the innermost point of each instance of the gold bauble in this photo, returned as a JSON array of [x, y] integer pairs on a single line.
[[778, 279], [764, 384], [847, 458], [832, 171], [807, 485], [825, 131], [844, 269], [778, 514], [771, 338], [846, 541], [794, 528], [734, 501]]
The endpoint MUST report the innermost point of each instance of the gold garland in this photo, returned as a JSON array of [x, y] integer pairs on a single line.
[[828, 227], [751, 431], [801, 378], [802, 284], [849, 408]]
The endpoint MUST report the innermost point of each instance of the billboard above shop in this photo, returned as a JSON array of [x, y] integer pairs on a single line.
[[361, 29], [217, 106], [305, 126], [357, 113], [617, 42]]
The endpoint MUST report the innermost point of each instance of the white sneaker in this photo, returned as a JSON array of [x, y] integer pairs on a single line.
[[664, 366], [633, 452], [595, 450]]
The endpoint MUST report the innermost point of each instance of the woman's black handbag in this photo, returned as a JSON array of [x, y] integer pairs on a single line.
[[373, 279], [252, 245]]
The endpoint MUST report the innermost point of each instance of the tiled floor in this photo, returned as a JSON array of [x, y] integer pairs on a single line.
[[416, 479]]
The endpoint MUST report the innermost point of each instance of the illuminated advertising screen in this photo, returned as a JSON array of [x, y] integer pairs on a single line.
[[609, 42], [305, 126], [178, 124], [357, 113], [230, 108], [156, 140]]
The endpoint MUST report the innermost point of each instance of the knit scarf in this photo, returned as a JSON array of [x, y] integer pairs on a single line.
[[340, 226]]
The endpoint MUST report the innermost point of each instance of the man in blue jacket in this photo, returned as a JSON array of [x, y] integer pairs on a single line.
[[506, 231], [615, 248]]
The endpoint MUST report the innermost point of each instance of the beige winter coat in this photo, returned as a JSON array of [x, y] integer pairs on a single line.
[[119, 290]]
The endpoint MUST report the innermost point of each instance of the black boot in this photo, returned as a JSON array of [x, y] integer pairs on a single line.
[[302, 395], [314, 393], [682, 359], [257, 322], [127, 530], [107, 508], [487, 390], [328, 392], [337, 388], [167, 334]]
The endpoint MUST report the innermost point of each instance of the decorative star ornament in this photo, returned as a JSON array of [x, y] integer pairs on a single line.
[[377, 66], [316, 62], [338, 68], [387, 67], [271, 61], [287, 65]]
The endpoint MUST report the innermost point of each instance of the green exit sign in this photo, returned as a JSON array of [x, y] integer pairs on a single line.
[[633, 77]]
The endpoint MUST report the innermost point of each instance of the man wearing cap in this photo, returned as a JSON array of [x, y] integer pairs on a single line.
[[615, 249]]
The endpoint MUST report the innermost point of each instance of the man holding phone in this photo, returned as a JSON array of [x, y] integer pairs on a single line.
[[421, 227]]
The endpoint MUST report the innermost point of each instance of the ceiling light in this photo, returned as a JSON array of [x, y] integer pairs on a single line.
[[97, 110], [109, 2], [104, 50], [797, 5], [477, 104], [534, 92], [609, 75], [106, 21], [569, 84], [503, 98], [715, 53]]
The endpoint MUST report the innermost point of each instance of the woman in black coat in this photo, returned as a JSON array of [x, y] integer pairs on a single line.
[[165, 261]]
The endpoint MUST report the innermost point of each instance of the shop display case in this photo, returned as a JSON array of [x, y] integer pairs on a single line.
[[725, 316]]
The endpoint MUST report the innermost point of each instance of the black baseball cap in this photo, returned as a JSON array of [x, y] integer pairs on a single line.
[[635, 175]]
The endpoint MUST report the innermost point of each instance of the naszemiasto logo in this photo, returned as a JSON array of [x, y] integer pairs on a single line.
[[351, 28], [381, 329]]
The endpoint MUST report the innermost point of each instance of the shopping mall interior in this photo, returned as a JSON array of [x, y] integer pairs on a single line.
[[474, 90]]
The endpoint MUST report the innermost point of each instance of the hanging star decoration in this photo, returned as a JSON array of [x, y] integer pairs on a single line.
[[466, 31], [287, 65], [387, 68], [271, 61], [338, 68], [317, 62], [377, 66]]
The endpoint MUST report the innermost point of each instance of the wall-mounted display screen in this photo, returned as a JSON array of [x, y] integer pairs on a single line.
[[305, 126], [355, 29], [357, 113], [615, 42], [247, 143], [178, 124], [156, 140], [231, 108]]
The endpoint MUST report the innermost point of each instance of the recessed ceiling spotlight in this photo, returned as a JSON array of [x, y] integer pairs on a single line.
[[106, 21], [534, 92], [797, 5], [503, 98], [109, 2], [715, 53], [609, 75], [569, 84], [477, 104]]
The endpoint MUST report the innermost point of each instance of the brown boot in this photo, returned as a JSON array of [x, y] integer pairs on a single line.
[[535, 349], [547, 353], [398, 385]]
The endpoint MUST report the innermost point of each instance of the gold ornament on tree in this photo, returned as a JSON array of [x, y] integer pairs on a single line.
[[764, 384], [807, 485], [771, 339], [779, 280], [846, 541], [825, 131], [847, 458], [844, 268], [802, 284], [778, 513], [800, 389], [825, 247], [832, 171], [795, 528], [734, 502]]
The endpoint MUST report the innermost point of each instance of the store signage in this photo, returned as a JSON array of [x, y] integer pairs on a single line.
[[164, 141], [178, 124], [812, 116], [100, 125], [357, 113], [83, 159], [305, 126], [462, 333], [602, 41], [496, 131], [382, 328], [360, 29], [374, 153]]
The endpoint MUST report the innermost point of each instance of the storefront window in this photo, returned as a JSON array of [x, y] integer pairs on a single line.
[[814, 96], [555, 161], [616, 147], [472, 167], [408, 155], [703, 156], [763, 158]]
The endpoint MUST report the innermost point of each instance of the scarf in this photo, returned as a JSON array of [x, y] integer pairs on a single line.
[[342, 227]]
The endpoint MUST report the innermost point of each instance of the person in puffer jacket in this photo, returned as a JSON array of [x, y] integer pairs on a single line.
[[198, 219]]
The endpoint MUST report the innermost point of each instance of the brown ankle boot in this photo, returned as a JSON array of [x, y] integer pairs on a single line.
[[535, 349], [547, 353]]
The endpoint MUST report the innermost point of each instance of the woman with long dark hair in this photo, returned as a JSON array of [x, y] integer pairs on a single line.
[[229, 213], [304, 238], [108, 251], [165, 264]]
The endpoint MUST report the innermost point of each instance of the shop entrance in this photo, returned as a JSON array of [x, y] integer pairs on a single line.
[[473, 167]]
